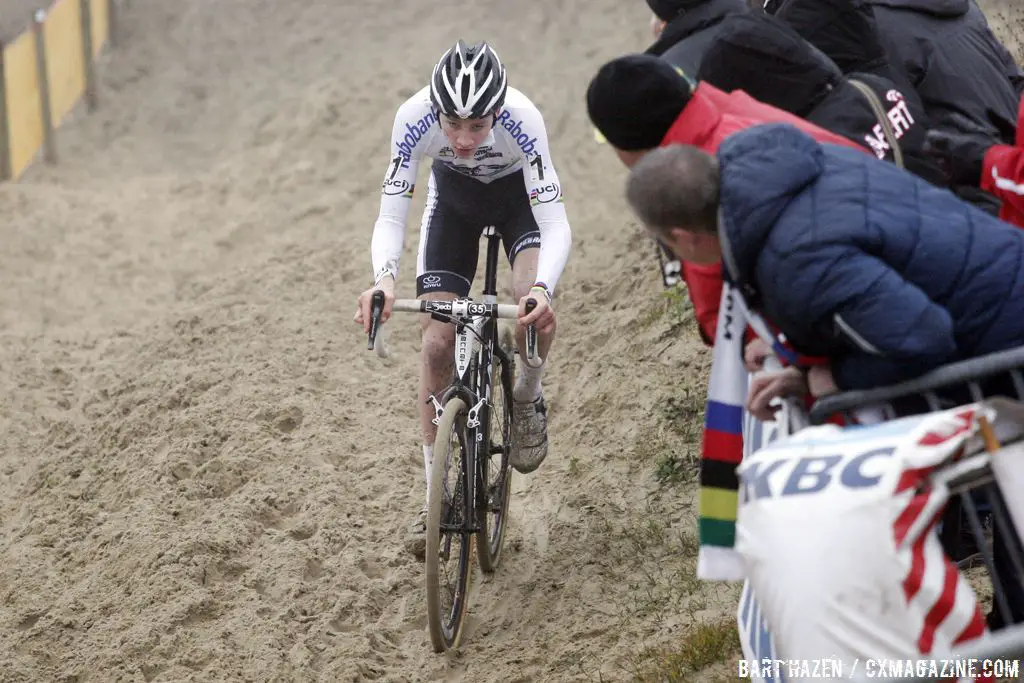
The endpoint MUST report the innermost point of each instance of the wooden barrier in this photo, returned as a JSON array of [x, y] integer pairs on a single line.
[[62, 36], [44, 73], [23, 97]]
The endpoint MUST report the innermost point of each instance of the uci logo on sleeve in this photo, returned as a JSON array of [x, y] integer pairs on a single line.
[[395, 188], [545, 195]]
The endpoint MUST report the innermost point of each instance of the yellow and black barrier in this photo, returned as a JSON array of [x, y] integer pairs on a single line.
[[44, 73]]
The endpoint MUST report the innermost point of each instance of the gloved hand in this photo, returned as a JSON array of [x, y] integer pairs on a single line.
[[959, 155]]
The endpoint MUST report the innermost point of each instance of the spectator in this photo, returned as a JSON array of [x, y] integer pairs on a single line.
[[847, 33], [688, 28], [639, 102], [770, 61], [886, 275], [683, 30], [950, 55]]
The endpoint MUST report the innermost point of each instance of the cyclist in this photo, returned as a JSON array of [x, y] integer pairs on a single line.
[[491, 166]]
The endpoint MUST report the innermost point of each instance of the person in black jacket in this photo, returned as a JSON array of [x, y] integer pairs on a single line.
[[767, 59], [690, 27], [847, 32], [966, 78]]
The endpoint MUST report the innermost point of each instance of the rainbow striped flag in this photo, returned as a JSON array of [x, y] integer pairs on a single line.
[[722, 448]]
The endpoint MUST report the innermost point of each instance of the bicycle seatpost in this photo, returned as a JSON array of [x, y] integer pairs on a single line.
[[376, 308], [531, 336]]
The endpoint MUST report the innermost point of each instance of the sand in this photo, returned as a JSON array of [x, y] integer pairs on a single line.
[[204, 476]]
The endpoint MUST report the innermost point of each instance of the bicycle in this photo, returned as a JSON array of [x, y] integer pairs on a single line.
[[460, 508]]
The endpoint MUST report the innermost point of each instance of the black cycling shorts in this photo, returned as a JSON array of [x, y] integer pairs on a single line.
[[458, 209]]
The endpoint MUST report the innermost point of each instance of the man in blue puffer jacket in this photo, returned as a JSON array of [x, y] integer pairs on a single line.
[[855, 260], [851, 258]]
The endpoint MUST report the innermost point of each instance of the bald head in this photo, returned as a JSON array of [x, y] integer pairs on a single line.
[[675, 187]]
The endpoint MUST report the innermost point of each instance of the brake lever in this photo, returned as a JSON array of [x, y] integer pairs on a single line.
[[531, 337], [376, 308]]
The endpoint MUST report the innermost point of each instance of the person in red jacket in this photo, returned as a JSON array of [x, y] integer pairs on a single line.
[[974, 160], [639, 102]]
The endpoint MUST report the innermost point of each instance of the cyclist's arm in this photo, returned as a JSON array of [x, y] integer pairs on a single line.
[[545, 193], [396, 195]]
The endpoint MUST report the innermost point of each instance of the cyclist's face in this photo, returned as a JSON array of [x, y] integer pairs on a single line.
[[465, 135]]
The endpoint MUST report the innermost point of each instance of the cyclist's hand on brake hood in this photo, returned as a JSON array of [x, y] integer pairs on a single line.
[[543, 316], [362, 316]]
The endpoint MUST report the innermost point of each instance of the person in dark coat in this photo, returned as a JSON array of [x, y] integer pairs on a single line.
[[771, 62], [847, 33], [690, 27], [950, 55]]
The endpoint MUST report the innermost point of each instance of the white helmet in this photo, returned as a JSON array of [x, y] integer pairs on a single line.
[[468, 82]]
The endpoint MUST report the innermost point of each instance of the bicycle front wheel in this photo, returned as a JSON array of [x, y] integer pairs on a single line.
[[449, 545], [492, 512]]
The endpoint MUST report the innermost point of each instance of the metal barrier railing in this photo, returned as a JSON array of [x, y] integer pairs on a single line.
[[969, 374], [999, 374]]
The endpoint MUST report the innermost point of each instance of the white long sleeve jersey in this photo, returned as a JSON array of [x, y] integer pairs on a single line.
[[518, 136]]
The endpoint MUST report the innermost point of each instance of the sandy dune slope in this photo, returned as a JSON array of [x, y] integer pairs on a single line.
[[203, 474]]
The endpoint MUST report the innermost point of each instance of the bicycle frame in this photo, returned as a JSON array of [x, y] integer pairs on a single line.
[[477, 354], [475, 349]]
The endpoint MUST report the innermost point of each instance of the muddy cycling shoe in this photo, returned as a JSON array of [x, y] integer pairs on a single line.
[[416, 536], [529, 435]]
